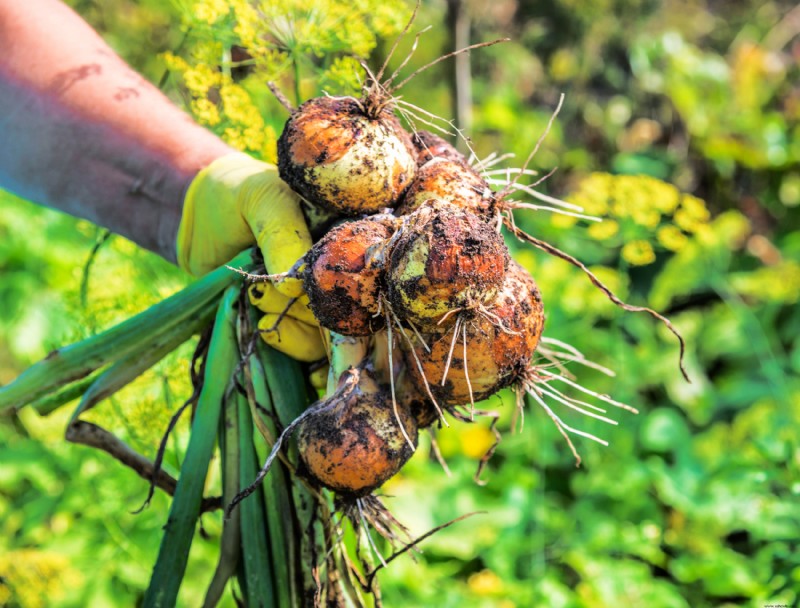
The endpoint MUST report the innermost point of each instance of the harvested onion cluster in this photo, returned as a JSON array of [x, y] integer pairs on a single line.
[[425, 311], [415, 285]]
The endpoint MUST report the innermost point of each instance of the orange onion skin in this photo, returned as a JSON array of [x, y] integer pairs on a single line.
[[355, 445], [429, 145], [343, 278], [499, 346], [450, 181], [336, 156]]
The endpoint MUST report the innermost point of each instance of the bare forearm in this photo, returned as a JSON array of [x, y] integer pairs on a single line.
[[83, 133]]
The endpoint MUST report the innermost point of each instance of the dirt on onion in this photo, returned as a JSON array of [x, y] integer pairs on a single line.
[[446, 259], [353, 442], [485, 350], [344, 275], [339, 155]]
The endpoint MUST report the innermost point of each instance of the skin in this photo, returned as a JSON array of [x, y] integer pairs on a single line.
[[83, 133]]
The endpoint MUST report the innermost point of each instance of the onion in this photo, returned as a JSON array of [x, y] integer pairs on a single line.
[[343, 276], [499, 345], [429, 145], [353, 443], [445, 259], [337, 155], [450, 181]]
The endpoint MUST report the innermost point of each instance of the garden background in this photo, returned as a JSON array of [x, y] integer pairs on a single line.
[[680, 125]]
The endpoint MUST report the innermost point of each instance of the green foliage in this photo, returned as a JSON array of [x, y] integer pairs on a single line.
[[680, 128]]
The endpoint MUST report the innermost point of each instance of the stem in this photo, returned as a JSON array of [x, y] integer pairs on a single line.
[[134, 335], [173, 554]]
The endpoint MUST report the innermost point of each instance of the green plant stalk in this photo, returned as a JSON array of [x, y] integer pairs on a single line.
[[46, 405], [258, 560], [136, 363], [231, 541], [287, 384], [346, 352], [310, 536], [290, 397], [281, 523], [223, 355], [82, 358]]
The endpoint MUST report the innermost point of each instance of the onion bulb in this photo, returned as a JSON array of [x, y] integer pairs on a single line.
[[450, 181], [499, 345], [337, 155], [344, 274], [353, 442], [445, 259]]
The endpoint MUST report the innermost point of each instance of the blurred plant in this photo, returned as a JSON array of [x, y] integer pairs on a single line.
[[234, 47], [734, 107], [641, 212]]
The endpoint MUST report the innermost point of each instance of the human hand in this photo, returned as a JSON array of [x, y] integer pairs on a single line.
[[233, 203], [288, 324]]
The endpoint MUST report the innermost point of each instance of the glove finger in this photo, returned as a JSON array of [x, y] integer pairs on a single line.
[[267, 298], [319, 377], [299, 340], [276, 218]]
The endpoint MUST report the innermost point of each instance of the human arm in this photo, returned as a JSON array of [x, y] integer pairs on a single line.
[[84, 133], [80, 131]]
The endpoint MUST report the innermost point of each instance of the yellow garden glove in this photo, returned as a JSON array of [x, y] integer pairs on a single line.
[[287, 326], [233, 203], [238, 201]]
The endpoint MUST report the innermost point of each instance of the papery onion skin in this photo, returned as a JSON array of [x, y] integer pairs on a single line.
[[344, 280], [353, 447], [334, 155], [445, 259]]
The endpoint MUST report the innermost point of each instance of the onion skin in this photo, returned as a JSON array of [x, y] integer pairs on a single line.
[[343, 278], [354, 446], [495, 357], [429, 145], [333, 154], [453, 182], [445, 259]]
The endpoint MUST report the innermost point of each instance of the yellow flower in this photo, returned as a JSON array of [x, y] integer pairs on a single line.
[[645, 214], [205, 112], [485, 582], [200, 78], [210, 11], [694, 208], [664, 197], [269, 151], [475, 439], [671, 238], [559, 220], [174, 63], [603, 230], [638, 253], [686, 221]]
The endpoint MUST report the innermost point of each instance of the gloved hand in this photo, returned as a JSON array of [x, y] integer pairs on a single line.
[[287, 326], [233, 203]]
